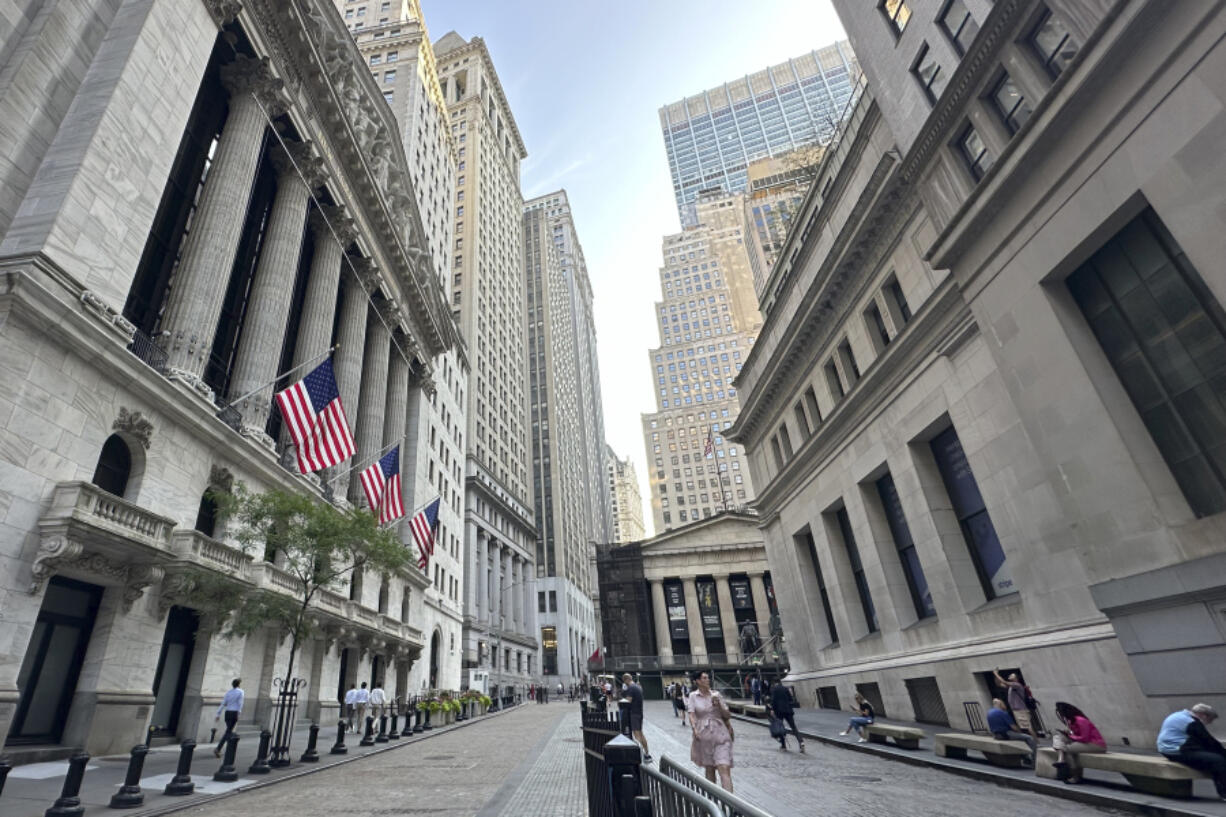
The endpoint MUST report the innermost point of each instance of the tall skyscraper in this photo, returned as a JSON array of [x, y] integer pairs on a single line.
[[623, 487], [395, 46], [777, 188], [565, 584], [712, 137], [487, 294], [708, 321]]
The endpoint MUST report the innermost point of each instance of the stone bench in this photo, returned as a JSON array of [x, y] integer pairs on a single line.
[[1008, 753], [754, 709], [1152, 774], [735, 706], [905, 737]]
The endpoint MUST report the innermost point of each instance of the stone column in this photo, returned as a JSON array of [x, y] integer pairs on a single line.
[[727, 617], [470, 573], [507, 602], [351, 335], [483, 577], [495, 591], [208, 252], [527, 574], [693, 618], [371, 403], [396, 407], [664, 640], [761, 605], [272, 289], [517, 585]]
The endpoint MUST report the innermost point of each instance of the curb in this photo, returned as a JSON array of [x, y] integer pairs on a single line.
[[193, 802], [1036, 785]]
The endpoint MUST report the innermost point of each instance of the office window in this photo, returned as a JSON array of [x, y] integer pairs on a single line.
[[974, 152], [1010, 103], [912, 570], [805, 541], [832, 379], [857, 569], [811, 403], [1165, 336], [392, 56], [899, 300], [876, 326], [375, 59], [896, 13], [389, 77], [802, 422], [388, 96], [1052, 44], [988, 556], [959, 25], [849, 360], [928, 73]]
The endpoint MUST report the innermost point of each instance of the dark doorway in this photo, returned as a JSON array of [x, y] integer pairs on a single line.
[[174, 663], [114, 466], [48, 675], [206, 515], [376, 671], [436, 648], [342, 682]]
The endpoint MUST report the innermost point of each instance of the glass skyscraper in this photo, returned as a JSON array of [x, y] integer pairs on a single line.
[[712, 137]]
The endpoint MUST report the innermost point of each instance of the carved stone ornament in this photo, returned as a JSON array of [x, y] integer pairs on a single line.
[[223, 11], [52, 555], [134, 424], [221, 477], [249, 75], [300, 159], [139, 577], [176, 587], [192, 381], [367, 272], [334, 221]]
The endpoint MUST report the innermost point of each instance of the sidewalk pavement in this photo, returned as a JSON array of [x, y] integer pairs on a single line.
[[1101, 788], [32, 788]]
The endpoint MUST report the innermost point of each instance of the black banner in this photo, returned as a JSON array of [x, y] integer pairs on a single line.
[[674, 601], [742, 598], [708, 609]]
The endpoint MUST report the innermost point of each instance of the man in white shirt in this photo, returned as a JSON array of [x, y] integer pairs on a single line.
[[231, 706], [378, 700], [351, 701], [361, 699]]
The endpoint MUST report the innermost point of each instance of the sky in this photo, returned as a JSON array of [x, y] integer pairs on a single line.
[[585, 81]]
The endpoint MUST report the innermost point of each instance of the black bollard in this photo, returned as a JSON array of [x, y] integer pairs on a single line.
[[339, 748], [368, 738], [395, 733], [623, 716], [227, 773], [5, 768], [311, 755], [417, 716], [182, 783], [69, 803], [428, 726], [382, 736], [260, 766], [129, 794]]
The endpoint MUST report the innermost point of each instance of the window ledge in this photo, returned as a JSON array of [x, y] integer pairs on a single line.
[[927, 621], [868, 637], [998, 602]]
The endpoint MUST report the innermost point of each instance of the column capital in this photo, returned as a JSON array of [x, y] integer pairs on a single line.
[[389, 311], [334, 221], [223, 11], [366, 271], [299, 160], [251, 75]]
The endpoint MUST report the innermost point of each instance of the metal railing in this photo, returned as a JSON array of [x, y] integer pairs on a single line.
[[673, 798], [148, 352], [728, 804]]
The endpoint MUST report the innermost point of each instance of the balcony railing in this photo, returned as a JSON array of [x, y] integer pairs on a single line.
[[194, 546], [148, 352], [99, 518]]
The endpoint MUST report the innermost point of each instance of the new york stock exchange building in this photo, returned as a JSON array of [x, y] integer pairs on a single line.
[[196, 196]]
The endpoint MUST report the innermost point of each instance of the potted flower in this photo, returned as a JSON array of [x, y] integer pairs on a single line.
[[485, 703]]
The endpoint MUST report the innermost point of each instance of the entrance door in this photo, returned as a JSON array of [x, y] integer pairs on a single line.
[[171, 678], [436, 647], [52, 663]]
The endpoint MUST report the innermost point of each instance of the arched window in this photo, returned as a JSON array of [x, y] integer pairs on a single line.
[[355, 584], [114, 466], [404, 607], [206, 516], [383, 594]]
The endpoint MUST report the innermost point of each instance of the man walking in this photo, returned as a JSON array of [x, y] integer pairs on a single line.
[[780, 707], [351, 702], [378, 700], [755, 688], [231, 706], [360, 700], [634, 693]]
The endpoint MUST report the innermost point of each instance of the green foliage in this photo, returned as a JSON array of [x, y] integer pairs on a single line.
[[486, 701]]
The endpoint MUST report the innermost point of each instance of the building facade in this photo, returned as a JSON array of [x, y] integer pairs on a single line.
[[777, 188], [974, 422], [487, 295], [395, 45], [712, 137], [708, 322], [623, 487], [148, 313]]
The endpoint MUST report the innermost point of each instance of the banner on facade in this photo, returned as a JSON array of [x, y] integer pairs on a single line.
[[674, 600], [742, 598], [708, 610]]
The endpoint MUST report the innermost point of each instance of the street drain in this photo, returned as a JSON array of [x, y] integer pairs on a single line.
[[857, 778], [439, 757]]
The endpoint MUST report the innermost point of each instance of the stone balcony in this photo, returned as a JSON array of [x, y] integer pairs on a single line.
[[194, 547]]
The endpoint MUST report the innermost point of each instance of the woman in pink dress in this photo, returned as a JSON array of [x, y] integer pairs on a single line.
[[711, 722], [1079, 737]]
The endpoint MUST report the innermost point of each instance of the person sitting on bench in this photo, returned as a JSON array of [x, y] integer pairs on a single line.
[[1003, 727], [1184, 739], [1078, 738]]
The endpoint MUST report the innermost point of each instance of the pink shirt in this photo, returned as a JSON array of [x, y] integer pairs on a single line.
[[1082, 731]]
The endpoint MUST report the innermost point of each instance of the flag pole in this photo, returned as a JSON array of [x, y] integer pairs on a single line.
[[286, 373], [383, 451]]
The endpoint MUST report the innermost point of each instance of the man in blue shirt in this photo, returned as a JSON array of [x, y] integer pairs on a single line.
[[231, 706], [1003, 727], [1184, 739]]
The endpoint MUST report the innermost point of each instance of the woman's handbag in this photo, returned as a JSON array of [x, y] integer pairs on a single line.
[[778, 729]]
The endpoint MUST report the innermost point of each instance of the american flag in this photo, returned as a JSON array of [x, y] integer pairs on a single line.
[[381, 482], [316, 420], [423, 524], [709, 448]]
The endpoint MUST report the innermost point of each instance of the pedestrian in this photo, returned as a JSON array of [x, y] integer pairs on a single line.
[[351, 703], [634, 693], [862, 720], [781, 707], [231, 706], [749, 638], [1079, 738], [378, 700], [755, 688], [711, 727], [1185, 739], [1003, 727], [360, 699], [1016, 696]]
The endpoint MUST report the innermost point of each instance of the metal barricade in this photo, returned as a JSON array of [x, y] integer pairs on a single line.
[[598, 729], [671, 798], [726, 803]]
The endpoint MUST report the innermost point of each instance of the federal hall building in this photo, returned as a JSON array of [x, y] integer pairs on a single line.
[[986, 414], [209, 193]]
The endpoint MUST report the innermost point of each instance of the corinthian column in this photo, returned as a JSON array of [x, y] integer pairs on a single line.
[[481, 568], [371, 402], [208, 252], [299, 170], [659, 611], [396, 408], [351, 335]]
